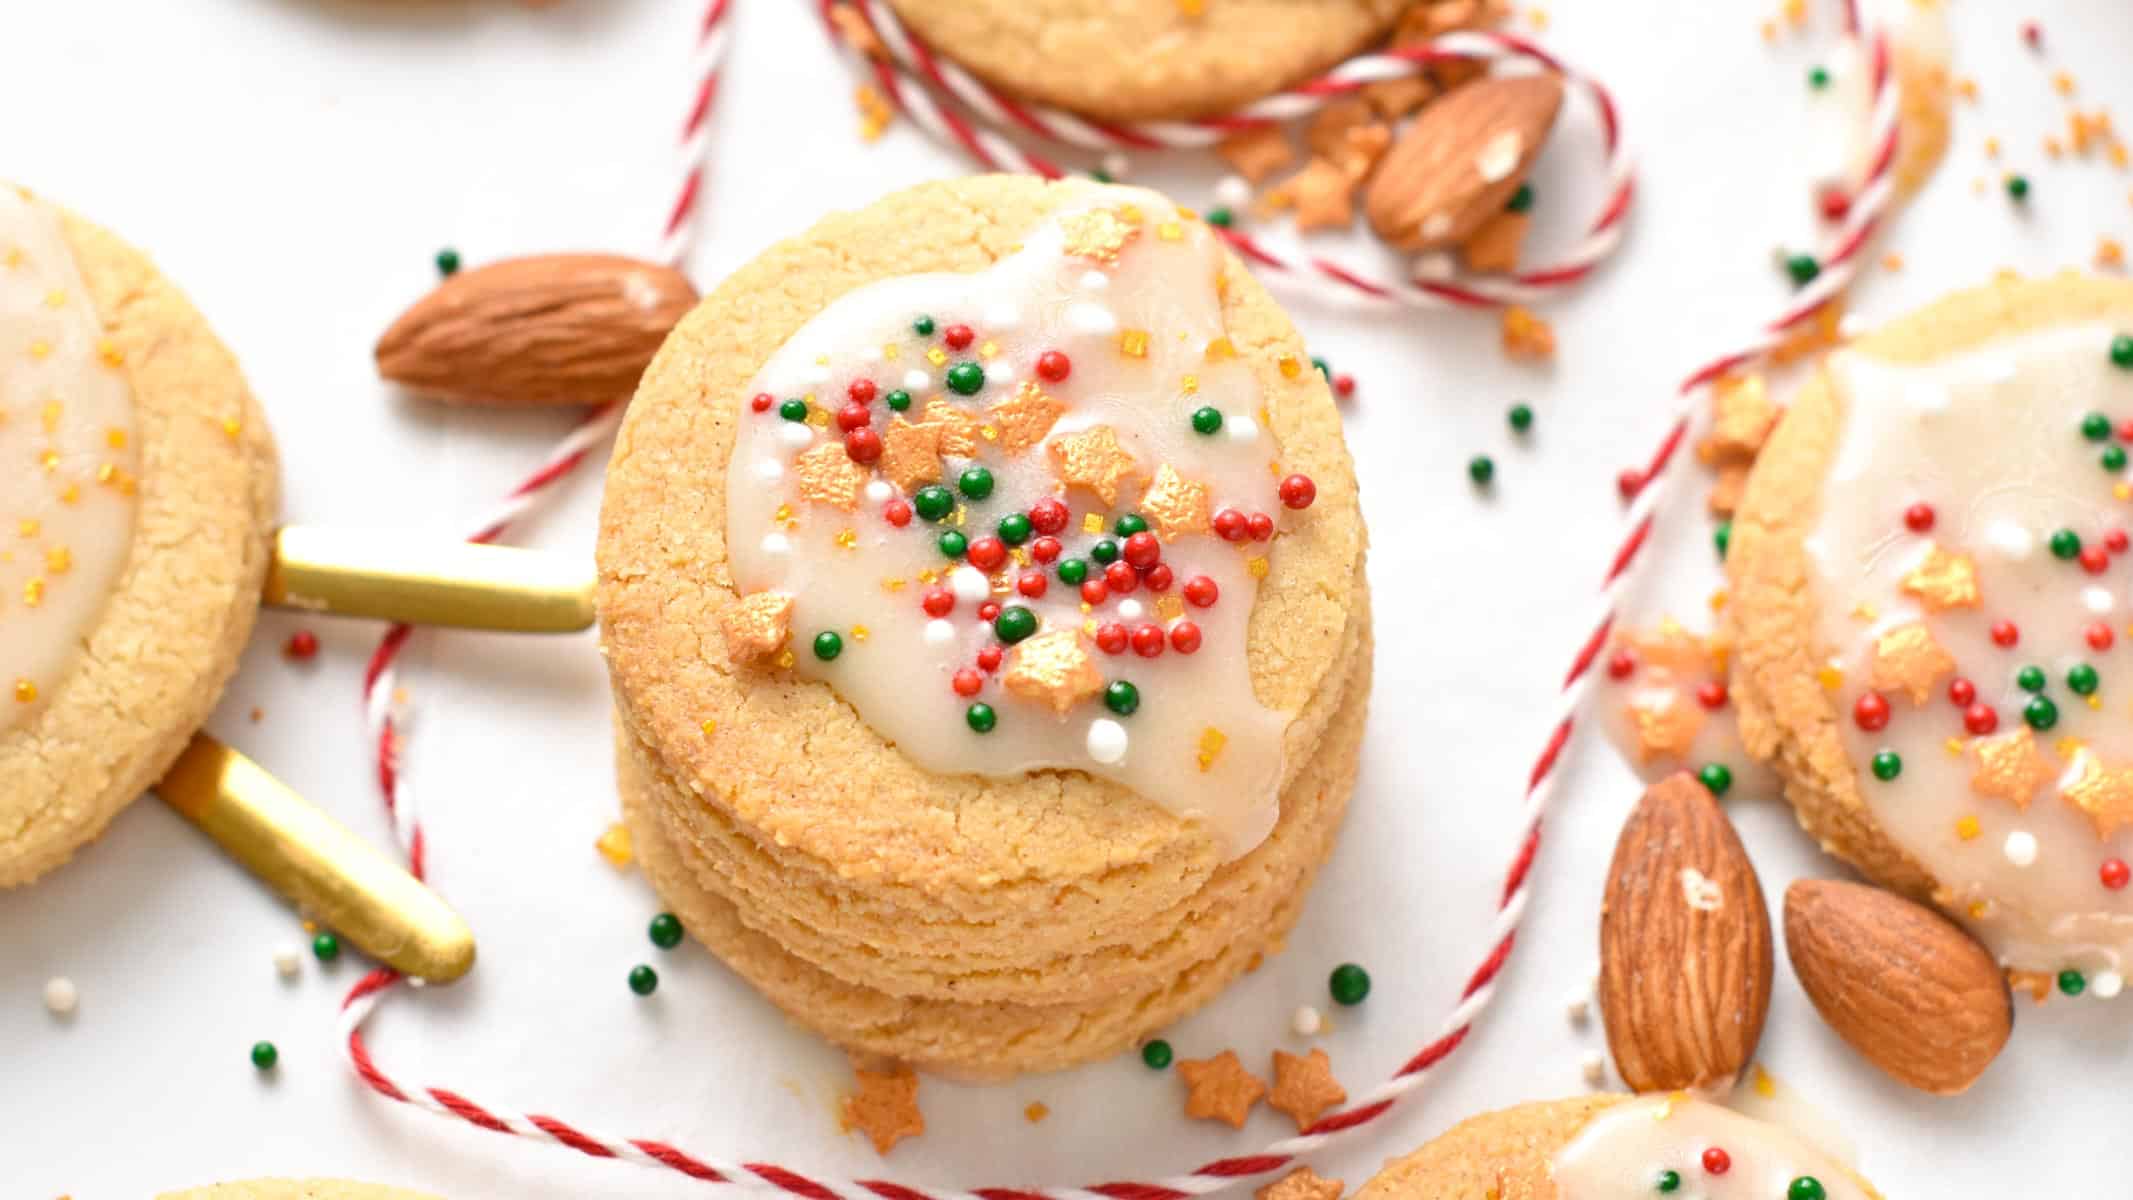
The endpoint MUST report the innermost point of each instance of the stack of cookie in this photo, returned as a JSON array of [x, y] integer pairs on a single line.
[[982, 586]]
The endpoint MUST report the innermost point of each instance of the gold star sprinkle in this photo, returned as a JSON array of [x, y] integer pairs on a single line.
[[959, 430], [1301, 1184], [757, 626], [2103, 794], [1222, 1090], [1025, 417], [1175, 506], [1907, 659], [1212, 740], [1304, 1087], [1943, 581], [885, 1107], [829, 476], [1094, 460], [911, 454], [1098, 235], [1665, 721], [2009, 768], [1054, 669]]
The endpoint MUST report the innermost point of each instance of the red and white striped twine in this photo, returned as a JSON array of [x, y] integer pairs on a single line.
[[904, 82], [1840, 262]]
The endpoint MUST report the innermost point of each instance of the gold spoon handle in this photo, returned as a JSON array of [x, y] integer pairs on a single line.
[[428, 582], [328, 873]]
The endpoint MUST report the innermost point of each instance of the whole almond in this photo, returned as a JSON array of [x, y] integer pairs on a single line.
[[1460, 161], [1685, 959], [1907, 988], [551, 329]]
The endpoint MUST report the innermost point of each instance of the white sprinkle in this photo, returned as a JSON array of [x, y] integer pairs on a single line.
[[1095, 281], [417, 981], [2106, 984], [970, 584], [795, 434], [815, 375], [1307, 1022], [2021, 848], [60, 997], [879, 491], [1578, 1008], [1500, 157], [1233, 191], [1085, 317], [776, 544], [2097, 599], [916, 380], [1435, 266], [1130, 609], [769, 470], [2010, 540], [1116, 165], [1241, 429], [939, 632], [1107, 741], [287, 961], [999, 319], [1594, 1065]]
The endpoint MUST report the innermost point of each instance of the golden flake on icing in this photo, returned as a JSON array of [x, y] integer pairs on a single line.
[[1098, 235], [1025, 417], [1665, 722], [959, 430], [829, 476], [1945, 580], [1054, 669], [1176, 505], [911, 454], [1212, 741], [1093, 459], [757, 626], [2103, 794], [1909, 660], [2010, 768]]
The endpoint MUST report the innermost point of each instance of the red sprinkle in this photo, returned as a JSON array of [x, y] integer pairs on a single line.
[[957, 336], [1031, 584], [1158, 578], [863, 445], [2004, 633], [1297, 491], [1835, 203], [302, 644], [1919, 517], [1231, 525], [1201, 592], [1048, 515], [2117, 541], [861, 392], [1621, 666], [1711, 695], [1044, 549], [938, 601], [1961, 692], [897, 513], [2114, 873], [2095, 560], [2033, 34], [852, 416], [2099, 635], [1121, 578], [989, 657], [761, 402], [2125, 430], [1260, 525], [989, 611], [1344, 386], [1629, 483], [1717, 1161], [1148, 641], [1052, 366], [967, 682], [1142, 550], [1093, 591], [1185, 637], [987, 553], [1980, 719], [1111, 638], [1870, 712]]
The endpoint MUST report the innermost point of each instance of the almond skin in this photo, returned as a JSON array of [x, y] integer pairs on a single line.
[[1685, 956], [1905, 986], [1460, 161], [548, 330]]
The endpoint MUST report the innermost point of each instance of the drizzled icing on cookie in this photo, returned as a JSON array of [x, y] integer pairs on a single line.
[[1970, 566], [1018, 518], [68, 459], [1685, 1148]]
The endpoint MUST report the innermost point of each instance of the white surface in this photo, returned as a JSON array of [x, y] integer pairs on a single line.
[[294, 163]]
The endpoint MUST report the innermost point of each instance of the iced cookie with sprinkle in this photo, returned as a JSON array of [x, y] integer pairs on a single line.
[[981, 584], [137, 490], [1932, 617], [1611, 1147]]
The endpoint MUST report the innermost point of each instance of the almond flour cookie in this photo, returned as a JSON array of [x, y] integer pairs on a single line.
[[1133, 60], [137, 489], [981, 583], [1617, 1148], [1932, 625], [295, 1189]]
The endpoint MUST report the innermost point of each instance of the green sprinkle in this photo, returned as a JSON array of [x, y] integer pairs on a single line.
[[2018, 187], [2081, 678], [1722, 537], [326, 947], [898, 400], [1104, 552], [828, 645], [966, 378], [2114, 458], [1221, 218], [264, 1055], [953, 544], [2065, 543], [981, 718], [923, 327], [2122, 350], [1072, 571], [1130, 524], [1818, 78], [975, 483], [2071, 983], [933, 502], [1325, 372], [1521, 417], [1806, 1187], [448, 261], [2040, 713], [643, 980], [1156, 1054], [1803, 268], [1349, 984], [1887, 765], [1717, 777], [793, 410], [1522, 199], [2096, 427], [1669, 1181], [1014, 624], [1122, 697], [1014, 529], [2030, 679], [666, 931], [1100, 175], [1206, 420], [1481, 469]]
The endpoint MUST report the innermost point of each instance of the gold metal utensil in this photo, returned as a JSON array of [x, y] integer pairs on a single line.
[[428, 582], [330, 875]]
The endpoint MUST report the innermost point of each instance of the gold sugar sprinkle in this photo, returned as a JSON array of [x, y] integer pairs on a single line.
[[1212, 740], [1221, 348], [614, 845], [936, 355], [1190, 385], [709, 726], [1290, 366], [29, 527], [1092, 523], [1170, 231], [50, 416], [785, 659], [1966, 827], [25, 691], [58, 559], [1133, 343], [33, 592], [40, 348], [847, 538], [860, 633], [1256, 566], [990, 350], [115, 438], [1830, 677], [232, 426], [892, 584]]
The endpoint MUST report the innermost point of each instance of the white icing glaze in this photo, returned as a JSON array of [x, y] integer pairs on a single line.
[[1621, 1154], [1992, 440], [1200, 743], [68, 459]]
